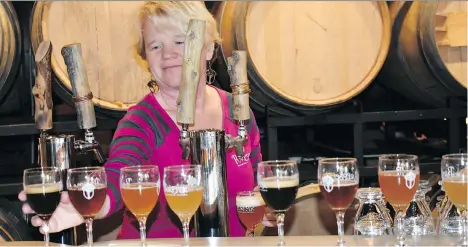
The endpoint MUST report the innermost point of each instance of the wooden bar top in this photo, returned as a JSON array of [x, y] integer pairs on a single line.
[[271, 241]]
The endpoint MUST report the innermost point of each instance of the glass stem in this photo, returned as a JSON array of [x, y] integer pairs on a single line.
[[464, 240], [142, 223], [45, 228], [340, 224], [280, 223], [252, 232], [185, 228], [400, 217], [89, 230]]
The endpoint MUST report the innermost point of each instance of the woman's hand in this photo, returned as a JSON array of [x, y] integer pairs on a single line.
[[269, 219], [64, 217]]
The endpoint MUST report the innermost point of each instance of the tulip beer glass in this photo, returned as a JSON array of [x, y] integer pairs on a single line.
[[139, 186], [250, 209], [87, 188], [454, 169], [399, 180], [278, 181], [43, 187], [184, 192], [338, 181]]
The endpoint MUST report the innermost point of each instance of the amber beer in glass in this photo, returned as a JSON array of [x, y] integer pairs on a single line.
[[250, 209], [399, 180], [42, 187], [338, 183], [139, 186], [278, 181], [184, 192], [87, 187], [454, 169]]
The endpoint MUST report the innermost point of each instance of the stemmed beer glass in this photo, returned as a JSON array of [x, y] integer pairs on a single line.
[[338, 180], [43, 186], [454, 169], [399, 180], [250, 209], [184, 192], [87, 187], [139, 186], [278, 181]]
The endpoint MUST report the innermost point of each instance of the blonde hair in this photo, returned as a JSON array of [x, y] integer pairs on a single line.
[[178, 14]]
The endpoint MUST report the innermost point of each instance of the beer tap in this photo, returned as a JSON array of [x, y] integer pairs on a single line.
[[42, 96], [194, 41], [82, 97], [237, 69]]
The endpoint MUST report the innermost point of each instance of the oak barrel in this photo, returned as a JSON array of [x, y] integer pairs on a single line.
[[307, 56], [13, 227], [106, 31], [427, 57], [10, 47]]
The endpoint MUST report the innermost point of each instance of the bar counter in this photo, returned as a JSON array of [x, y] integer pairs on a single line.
[[271, 241]]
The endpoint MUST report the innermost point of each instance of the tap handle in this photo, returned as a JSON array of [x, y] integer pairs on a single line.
[[42, 90], [237, 68], [82, 95], [194, 41]]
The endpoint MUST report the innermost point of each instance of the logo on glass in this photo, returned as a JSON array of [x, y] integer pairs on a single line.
[[327, 182]]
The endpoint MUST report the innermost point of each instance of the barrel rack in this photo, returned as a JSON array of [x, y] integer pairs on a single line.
[[358, 118]]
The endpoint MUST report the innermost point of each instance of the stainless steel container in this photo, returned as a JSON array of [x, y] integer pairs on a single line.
[[208, 149], [59, 152]]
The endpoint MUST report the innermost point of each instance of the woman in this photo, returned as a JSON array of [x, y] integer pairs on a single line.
[[149, 133]]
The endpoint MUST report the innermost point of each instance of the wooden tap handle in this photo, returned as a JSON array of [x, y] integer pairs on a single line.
[[82, 95], [194, 41], [240, 85], [42, 90]]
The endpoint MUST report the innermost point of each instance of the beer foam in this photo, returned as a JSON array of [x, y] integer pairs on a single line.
[[274, 182], [458, 180], [42, 188], [140, 186], [249, 201], [395, 173]]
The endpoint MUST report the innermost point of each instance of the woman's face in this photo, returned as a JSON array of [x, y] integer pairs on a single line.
[[164, 52]]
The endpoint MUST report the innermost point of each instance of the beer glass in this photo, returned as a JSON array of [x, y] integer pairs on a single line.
[[338, 181], [454, 169], [184, 192], [139, 186], [87, 189], [250, 209], [278, 181], [43, 186], [399, 180]]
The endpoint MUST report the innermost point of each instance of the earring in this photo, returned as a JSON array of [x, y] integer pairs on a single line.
[[210, 74], [152, 85]]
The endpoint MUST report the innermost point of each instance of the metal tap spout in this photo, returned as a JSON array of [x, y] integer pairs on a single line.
[[89, 144], [184, 141]]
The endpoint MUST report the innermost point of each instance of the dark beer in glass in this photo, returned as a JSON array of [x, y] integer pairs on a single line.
[[278, 181], [279, 194], [250, 209], [42, 187], [87, 187]]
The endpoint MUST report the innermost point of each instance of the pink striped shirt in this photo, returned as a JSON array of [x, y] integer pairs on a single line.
[[147, 135]]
